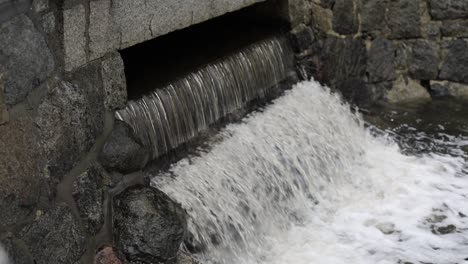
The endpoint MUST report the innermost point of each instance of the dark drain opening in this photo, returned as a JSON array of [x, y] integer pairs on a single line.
[[157, 62]]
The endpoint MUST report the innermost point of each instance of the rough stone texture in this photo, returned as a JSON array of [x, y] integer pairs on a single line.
[[185, 258], [88, 192], [74, 37], [4, 117], [69, 121], [381, 61], [407, 90], [25, 57], [448, 9], [299, 12], [404, 19], [402, 55], [432, 30], [123, 151], [48, 22], [149, 225], [107, 255], [55, 237], [302, 38], [40, 5], [455, 28], [345, 20], [322, 18], [15, 250], [446, 88], [373, 15], [424, 60], [22, 182], [102, 32], [455, 65], [114, 83], [356, 91]]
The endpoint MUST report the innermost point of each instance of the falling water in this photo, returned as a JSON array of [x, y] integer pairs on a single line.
[[174, 114], [304, 181]]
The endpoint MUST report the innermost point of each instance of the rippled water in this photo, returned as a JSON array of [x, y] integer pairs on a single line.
[[307, 181]]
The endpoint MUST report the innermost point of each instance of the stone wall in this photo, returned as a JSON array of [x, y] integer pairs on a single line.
[[61, 78], [389, 50]]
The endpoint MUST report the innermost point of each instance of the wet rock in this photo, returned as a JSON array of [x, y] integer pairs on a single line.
[[432, 30], [424, 60], [404, 19], [114, 83], [4, 117], [22, 181], [321, 18], [123, 151], [381, 61], [356, 91], [402, 55], [455, 66], [25, 56], [448, 9], [345, 20], [69, 120], [15, 250], [386, 228], [443, 230], [107, 255], [452, 89], [455, 28], [55, 237], [406, 90], [302, 38], [88, 192], [373, 15], [149, 226]]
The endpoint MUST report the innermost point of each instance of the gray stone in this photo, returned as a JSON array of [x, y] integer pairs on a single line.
[[373, 15], [404, 19], [107, 255], [345, 20], [55, 237], [149, 226], [22, 181], [103, 32], [327, 3], [4, 117], [402, 55], [299, 12], [25, 58], [452, 89], [455, 66], [448, 9], [433, 30], [48, 22], [15, 250], [322, 18], [302, 38], [406, 90], [123, 151], [356, 91], [69, 119], [185, 258], [74, 37], [88, 192], [381, 61], [424, 60], [40, 5], [455, 28], [114, 83]]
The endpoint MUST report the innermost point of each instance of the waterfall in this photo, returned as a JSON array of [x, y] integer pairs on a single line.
[[176, 113], [304, 181]]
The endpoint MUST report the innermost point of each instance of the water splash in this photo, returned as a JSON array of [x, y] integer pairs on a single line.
[[3, 256], [176, 113], [305, 182]]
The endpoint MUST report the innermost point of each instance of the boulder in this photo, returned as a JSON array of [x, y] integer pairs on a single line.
[[406, 90], [424, 60], [448, 9], [321, 18], [404, 19], [381, 61], [345, 19], [123, 151], [455, 66], [148, 226], [373, 15], [455, 28], [25, 57]]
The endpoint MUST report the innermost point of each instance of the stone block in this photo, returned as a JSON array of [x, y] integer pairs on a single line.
[[455, 65], [455, 28], [345, 19], [458, 91], [322, 18], [448, 9], [26, 59], [406, 90], [74, 37], [103, 32], [424, 60], [114, 82], [404, 19], [373, 15], [381, 61]]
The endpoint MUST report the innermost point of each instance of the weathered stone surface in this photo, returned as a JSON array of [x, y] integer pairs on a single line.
[[48, 22], [455, 28], [149, 226], [40, 5], [407, 90], [103, 32], [355, 91], [455, 65], [107, 255], [432, 30], [448, 9], [123, 151], [55, 237], [185, 258], [402, 55], [322, 18], [446, 88], [22, 182], [74, 36], [88, 192], [345, 20], [343, 59], [24, 56], [424, 60], [404, 19], [69, 119], [302, 38], [4, 117], [381, 61], [114, 83], [373, 15], [326, 3], [13, 251]]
